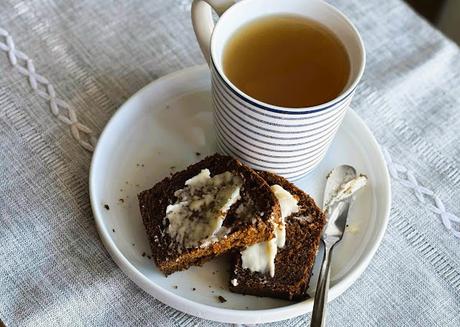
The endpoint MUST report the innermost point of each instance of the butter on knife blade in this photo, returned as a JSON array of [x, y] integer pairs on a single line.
[[346, 190]]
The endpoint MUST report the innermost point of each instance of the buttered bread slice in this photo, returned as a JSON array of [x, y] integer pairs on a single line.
[[213, 206], [281, 267]]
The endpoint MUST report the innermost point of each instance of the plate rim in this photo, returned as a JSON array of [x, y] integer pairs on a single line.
[[224, 314]]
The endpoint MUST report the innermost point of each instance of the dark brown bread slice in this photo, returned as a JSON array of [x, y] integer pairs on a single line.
[[255, 194], [293, 262]]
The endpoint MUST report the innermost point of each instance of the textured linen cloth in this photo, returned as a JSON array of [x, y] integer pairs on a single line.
[[93, 55]]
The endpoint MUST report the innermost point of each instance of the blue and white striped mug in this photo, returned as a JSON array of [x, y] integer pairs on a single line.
[[287, 141]]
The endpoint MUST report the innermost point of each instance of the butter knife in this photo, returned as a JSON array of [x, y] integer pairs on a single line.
[[336, 210]]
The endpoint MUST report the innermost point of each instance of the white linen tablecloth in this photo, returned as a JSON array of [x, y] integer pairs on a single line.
[[66, 66]]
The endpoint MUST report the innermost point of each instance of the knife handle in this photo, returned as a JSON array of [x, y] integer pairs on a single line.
[[318, 315]]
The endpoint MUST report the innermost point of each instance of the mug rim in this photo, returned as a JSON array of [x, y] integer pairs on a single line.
[[343, 96]]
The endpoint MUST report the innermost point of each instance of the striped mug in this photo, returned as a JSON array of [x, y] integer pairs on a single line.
[[287, 141]]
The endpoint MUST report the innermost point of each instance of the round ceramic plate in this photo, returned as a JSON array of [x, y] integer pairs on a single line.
[[168, 125]]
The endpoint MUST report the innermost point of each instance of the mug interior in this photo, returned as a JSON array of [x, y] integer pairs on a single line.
[[248, 10]]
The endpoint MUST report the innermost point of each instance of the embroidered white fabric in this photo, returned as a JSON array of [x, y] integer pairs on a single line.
[[79, 61], [48, 93], [407, 178]]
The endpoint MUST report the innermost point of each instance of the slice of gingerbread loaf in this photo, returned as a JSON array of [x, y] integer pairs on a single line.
[[282, 266], [213, 206]]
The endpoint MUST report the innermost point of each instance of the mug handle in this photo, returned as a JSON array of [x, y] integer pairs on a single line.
[[203, 23]]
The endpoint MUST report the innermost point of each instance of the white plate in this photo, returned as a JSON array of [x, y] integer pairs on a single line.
[[165, 124]]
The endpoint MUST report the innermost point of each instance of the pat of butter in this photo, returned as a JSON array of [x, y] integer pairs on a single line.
[[197, 215], [199, 179], [288, 205], [260, 257]]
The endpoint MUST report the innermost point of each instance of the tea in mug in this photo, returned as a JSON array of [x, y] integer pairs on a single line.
[[288, 61]]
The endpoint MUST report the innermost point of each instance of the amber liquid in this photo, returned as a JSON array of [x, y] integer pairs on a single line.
[[288, 61]]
